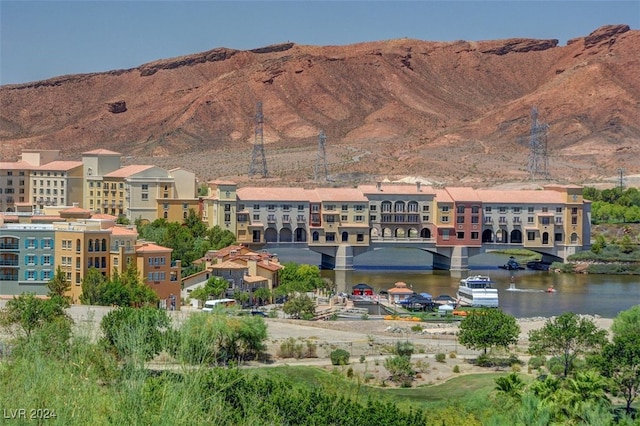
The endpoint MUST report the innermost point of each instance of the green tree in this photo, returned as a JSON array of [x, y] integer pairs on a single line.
[[58, 287], [203, 190], [92, 286], [242, 297], [298, 306], [215, 287], [296, 278], [195, 224], [567, 336], [29, 313], [486, 328], [620, 361], [400, 369], [627, 322], [262, 295], [220, 238]]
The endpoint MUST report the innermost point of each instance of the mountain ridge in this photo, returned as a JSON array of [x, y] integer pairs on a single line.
[[458, 111]]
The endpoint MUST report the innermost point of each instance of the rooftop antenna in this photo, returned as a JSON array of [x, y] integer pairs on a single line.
[[320, 168], [258, 145], [538, 156]]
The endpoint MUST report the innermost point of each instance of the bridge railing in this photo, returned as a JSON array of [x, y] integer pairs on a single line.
[[402, 239]]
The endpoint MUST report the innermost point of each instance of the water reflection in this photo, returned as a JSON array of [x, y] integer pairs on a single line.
[[603, 295]]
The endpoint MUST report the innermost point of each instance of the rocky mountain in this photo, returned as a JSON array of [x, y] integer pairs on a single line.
[[454, 112]]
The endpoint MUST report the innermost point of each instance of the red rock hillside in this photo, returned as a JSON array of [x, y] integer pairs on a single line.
[[455, 112]]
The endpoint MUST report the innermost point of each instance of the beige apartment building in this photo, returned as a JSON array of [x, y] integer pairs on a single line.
[[57, 183], [219, 207]]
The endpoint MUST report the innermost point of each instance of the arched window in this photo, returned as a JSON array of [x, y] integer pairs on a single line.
[[104, 244], [315, 236], [90, 248], [345, 237], [399, 207], [78, 245], [425, 233], [386, 207]]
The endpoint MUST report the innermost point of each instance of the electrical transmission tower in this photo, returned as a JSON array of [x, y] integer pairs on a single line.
[[320, 168], [538, 156], [258, 160]]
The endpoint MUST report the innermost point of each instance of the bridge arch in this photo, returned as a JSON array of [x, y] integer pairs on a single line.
[[412, 233], [425, 233], [487, 236], [502, 236], [387, 233], [399, 233], [516, 236]]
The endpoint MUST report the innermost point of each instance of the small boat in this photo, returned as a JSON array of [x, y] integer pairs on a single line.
[[477, 291], [512, 265], [550, 290]]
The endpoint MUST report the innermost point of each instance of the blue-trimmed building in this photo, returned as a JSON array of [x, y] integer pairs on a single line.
[[27, 260]]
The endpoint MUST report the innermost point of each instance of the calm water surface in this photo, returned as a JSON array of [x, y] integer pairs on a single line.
[[603, 295]]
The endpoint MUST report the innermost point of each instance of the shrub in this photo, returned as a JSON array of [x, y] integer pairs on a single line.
[[440, 357], [417, 328], [340, 357], [536, 362], [290, 348], [404, 349], [421, 366], [456, 369], [350, 372], [452, 355], [362, 359], [400, 369]]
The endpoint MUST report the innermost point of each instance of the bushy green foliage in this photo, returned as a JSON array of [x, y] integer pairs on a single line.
[[400, 369], [126, 289], [441, 357], [299, 278], [215, 287], [339, 357], [212, 339], [299, 305], [405, 349], [566, 336], [291, 348], [487, 328], [135, 335], [536, 362]]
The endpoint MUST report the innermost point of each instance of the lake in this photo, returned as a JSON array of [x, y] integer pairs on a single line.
[[604, 295]]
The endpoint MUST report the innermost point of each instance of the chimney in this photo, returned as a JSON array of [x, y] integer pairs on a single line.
[[419, 186], [379, 186], [75, 204]]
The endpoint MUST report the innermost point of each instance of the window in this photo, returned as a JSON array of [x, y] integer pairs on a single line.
[[558, 221], [574, 210], [557, 236], [31, 260], [460, 235], [331, 218], [360, 238], [31, 275], [399, 218], [502, 209], [31, 243], [425, 208], [315, 208], [544, 220], [475, 209], [445, 219], [445, 234], [256, 206], [574, 220], [545, 209], [516, 210], [344, 218], [531, 236], [444, 209], [271, 207], [300, 207], [475, 219], [46, 260], [47, 243], [460, 209], [359, 218], [227, 217], [331, 236], [530, 209], [487, 209], [345, 207], [475, 235], [145, 187], [558, 209], [459, 219], [46, 275], [271, 218], [256, 217], [412, 218], [373, 207], [425, 218], [227, 207], [373, 218], [359, 208], [386, 218], [516, 220], [145, 196], [502, 219], [330, 207]]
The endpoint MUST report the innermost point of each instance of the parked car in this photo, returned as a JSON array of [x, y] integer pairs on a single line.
[[259, 313]]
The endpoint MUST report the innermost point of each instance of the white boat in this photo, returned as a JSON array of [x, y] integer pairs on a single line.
[[477, 291]]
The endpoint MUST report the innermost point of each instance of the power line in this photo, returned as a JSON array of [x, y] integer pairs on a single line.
[[320, 169], [538, 156], [257, 155]]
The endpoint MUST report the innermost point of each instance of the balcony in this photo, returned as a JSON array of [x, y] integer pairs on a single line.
[[9, 262], [8, 277], [9, 246]]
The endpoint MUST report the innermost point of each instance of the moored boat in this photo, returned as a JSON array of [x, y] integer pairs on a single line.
[[477, 291]]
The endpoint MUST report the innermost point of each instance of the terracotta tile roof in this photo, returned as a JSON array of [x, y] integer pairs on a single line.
[[75, 210], [228, 264], [253, 279], [151, 247], [129, 170], [521, 197], [400, 288], [104, 216], [101, 152], [226, 251], [462, 194], [270, 266], [395, 189], [60, 165], [443, 196], [16, 165], [221, 182], [274, 194], [122, 230], [340, 195]]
